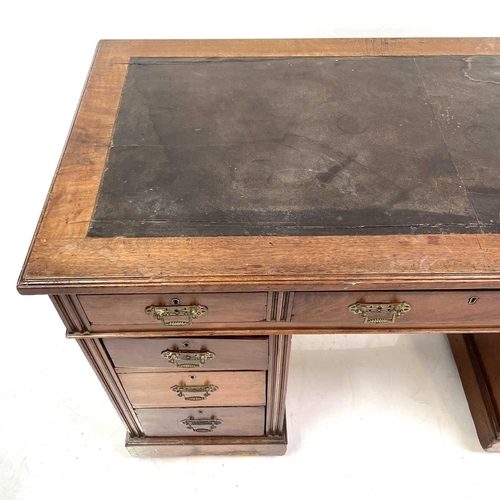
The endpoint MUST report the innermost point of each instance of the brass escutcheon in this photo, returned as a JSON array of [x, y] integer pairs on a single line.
[[187, 359], [201, 425], [182, 315], [377, 311], [205, 389]]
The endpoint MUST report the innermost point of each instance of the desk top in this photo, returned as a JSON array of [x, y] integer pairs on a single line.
[[287, 163]]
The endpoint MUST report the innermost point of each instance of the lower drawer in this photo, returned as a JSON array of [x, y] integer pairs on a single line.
[[210, 421], [187, 389]]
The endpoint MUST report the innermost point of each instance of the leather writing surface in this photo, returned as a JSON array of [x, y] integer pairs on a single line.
[[304, 146]]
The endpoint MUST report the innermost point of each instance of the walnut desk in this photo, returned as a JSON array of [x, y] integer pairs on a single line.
[[216, 197]]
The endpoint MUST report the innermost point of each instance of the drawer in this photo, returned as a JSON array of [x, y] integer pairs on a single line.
[[156, 311], [209, 421], [426, 309], [187, 389], [181, 354]]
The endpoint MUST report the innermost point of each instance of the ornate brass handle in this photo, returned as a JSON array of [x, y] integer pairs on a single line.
[[200, 425], [377, 311], [188, 359], [182, 315], [205, 389]]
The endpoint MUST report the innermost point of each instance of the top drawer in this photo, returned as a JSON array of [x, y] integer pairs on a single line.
[[164, 311], [398, 309]]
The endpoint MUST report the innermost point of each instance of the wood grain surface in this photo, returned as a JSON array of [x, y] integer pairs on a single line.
[[477, 358], [457, 309], [61, 258], [153, 390], [234, 421], [229, 353], [157, 447], [105, 310]]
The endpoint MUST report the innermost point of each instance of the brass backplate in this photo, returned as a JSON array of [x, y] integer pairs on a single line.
[[377, 314], [176, 315]]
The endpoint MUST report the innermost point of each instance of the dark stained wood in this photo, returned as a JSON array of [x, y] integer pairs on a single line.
[[107, 310], [488, 349], [477, 358], [156, 447], [230, 353], [235, 421], [153, 390], [431, 310]]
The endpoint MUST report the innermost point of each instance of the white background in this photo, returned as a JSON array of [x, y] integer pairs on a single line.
[[369, 417]]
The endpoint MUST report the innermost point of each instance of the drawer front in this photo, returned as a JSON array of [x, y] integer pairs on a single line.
[[209, 421], [181, 354], [104, 311], [188, 389], [426, 309]]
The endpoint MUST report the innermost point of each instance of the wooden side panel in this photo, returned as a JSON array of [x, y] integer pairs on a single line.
[[477, 358], [277, 379], [98, 359], [229, 353], [239, 421], [154, 390]]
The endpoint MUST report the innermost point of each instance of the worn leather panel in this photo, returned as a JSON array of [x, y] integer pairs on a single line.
[[304, 146]]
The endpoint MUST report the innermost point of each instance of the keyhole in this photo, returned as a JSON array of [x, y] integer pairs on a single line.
[[473, 300], [192, 377], [175, 302], [186, 344]]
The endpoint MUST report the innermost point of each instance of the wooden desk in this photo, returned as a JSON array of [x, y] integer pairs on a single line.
[[216, 197]]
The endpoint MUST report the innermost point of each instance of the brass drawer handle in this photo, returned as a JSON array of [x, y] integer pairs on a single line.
[[187, 359], [393, 311], [181, 315], [200, 425], [205, 389]]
